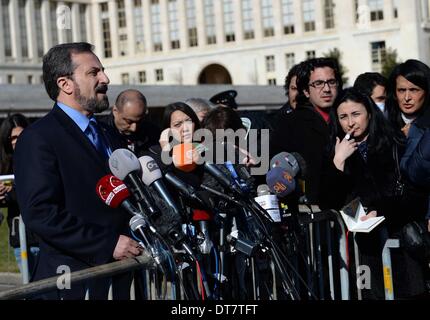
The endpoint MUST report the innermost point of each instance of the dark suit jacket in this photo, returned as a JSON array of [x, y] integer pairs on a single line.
[[304, 131], [56, 170]]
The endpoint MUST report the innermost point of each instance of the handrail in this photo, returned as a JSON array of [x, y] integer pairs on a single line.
[[105, 270]]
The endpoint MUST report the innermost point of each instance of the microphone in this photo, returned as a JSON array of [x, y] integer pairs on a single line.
[[287, 161], [185, 189], [268, 202], [183, 160], [125, 165], [280, 182], [114, 193], [152, 176]]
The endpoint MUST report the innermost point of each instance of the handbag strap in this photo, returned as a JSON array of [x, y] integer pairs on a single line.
[[396, 160]]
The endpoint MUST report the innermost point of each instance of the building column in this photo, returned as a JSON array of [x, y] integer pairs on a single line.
[[319, 16], [164, 23], [46, 25], [97, 34], [62, 31], [76, 24], [2, 47], [388, 12], [200, 23], [30, 16], [277, 19], [219, 22], [238, 23], [183, 26], [129, 7], [258, 22], [15, 34], [147, 28], [298, 18], [424, 10], [89, 23], [113, 23]]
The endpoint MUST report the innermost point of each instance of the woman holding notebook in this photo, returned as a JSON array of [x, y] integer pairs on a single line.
[[365, 152]]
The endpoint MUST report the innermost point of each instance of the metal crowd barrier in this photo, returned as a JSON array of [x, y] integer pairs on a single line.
[[310, 216], [102, 271]]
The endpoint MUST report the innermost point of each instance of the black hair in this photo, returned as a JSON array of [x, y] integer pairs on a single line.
[[222, 118], [57, 62], [416, 72], [6, 150], [304, 75], [367, 81], [179, 106], [291, 74], [381, 134]]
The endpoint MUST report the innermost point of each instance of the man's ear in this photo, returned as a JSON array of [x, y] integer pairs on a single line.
[[66, 85], [306, 93]]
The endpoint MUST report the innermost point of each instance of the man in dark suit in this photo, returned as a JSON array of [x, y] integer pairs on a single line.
[[306, 130], [58, 162], [129, 119]]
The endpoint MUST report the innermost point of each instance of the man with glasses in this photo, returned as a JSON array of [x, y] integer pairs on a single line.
[[306, 130], [129, 117]]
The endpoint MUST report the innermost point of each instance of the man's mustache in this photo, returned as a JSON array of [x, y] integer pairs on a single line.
[[102, 89]]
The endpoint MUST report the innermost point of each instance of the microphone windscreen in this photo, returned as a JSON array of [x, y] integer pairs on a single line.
[[112, 190], [280, 182], [150, 170], [122, 162], [286, 161], [302, 164], [183, 157]]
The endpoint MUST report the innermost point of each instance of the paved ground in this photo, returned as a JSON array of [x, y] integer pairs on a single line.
[[9, 280]]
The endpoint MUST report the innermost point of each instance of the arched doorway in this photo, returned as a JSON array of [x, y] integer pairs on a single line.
[[215, 74]]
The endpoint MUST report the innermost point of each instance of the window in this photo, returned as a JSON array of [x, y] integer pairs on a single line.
[[123, 45], [23, 28], [6, 28], [159, 76], [288, 16], [156, 26], [309, 15], [122, 20], [210, 22], [138, 26], [271, 82], [378, 55], [193, 40], [329, 14], [39, 30], [395, 9], [142, 76], [107, 42], [247, 19], [267, 15], [270, 63], [10, 79], [376, 9], [30, 79], [125, 78], [173, 24], [83, 21], [290, 60], [229, 20], [54, 29], [310, 54]]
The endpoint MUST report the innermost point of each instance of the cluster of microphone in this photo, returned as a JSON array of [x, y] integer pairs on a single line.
[[138, 185]]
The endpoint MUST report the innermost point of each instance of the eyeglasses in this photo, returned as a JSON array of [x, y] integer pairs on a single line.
[[320, 84]]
